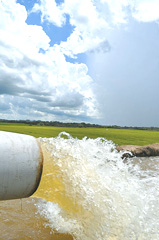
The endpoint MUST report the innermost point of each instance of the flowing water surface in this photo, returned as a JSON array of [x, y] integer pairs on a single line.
[[87, 192]]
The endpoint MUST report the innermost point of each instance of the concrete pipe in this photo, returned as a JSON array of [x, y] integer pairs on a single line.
[[21, 163]]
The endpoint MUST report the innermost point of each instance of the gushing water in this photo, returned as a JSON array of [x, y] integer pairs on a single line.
[[93, 194]]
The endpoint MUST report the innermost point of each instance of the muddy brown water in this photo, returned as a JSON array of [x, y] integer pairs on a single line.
[[19, 220]]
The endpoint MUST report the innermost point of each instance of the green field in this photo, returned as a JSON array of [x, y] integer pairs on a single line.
[[118, 136]]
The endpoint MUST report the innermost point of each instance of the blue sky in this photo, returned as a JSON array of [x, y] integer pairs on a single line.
[[80, 60]]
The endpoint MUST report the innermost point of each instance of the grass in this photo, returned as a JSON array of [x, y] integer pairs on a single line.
[[118, 136]]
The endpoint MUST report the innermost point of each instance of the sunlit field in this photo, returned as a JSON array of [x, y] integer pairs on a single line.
[[118, 136]]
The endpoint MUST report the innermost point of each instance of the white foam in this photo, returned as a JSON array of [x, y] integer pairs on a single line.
[[114, 200]]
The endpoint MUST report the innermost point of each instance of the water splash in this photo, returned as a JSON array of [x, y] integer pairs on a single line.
[[94, 194]]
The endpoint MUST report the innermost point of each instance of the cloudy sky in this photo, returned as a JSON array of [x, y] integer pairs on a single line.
[[95, 61]]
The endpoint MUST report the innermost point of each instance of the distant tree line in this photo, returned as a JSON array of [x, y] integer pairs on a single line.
[[73, 124], [52, 123]]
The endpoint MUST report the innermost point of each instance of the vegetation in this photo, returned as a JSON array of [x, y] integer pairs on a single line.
[[80, 125], [118, 136]]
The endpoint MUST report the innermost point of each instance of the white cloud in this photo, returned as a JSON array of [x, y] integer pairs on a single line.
[[16, 33], [141, 10], [117, 10], [50, 12], [92, 19], [146, 11], [89, 27], [46, 81], [47, 85]]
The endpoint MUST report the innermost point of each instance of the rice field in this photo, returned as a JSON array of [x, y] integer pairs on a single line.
[[118, 136]]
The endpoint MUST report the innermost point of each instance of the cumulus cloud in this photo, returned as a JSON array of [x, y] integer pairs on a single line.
[[120, 10], [41, 84], [51, 12], [36, 75], [146, 11], [89, 27], [92, 19]]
